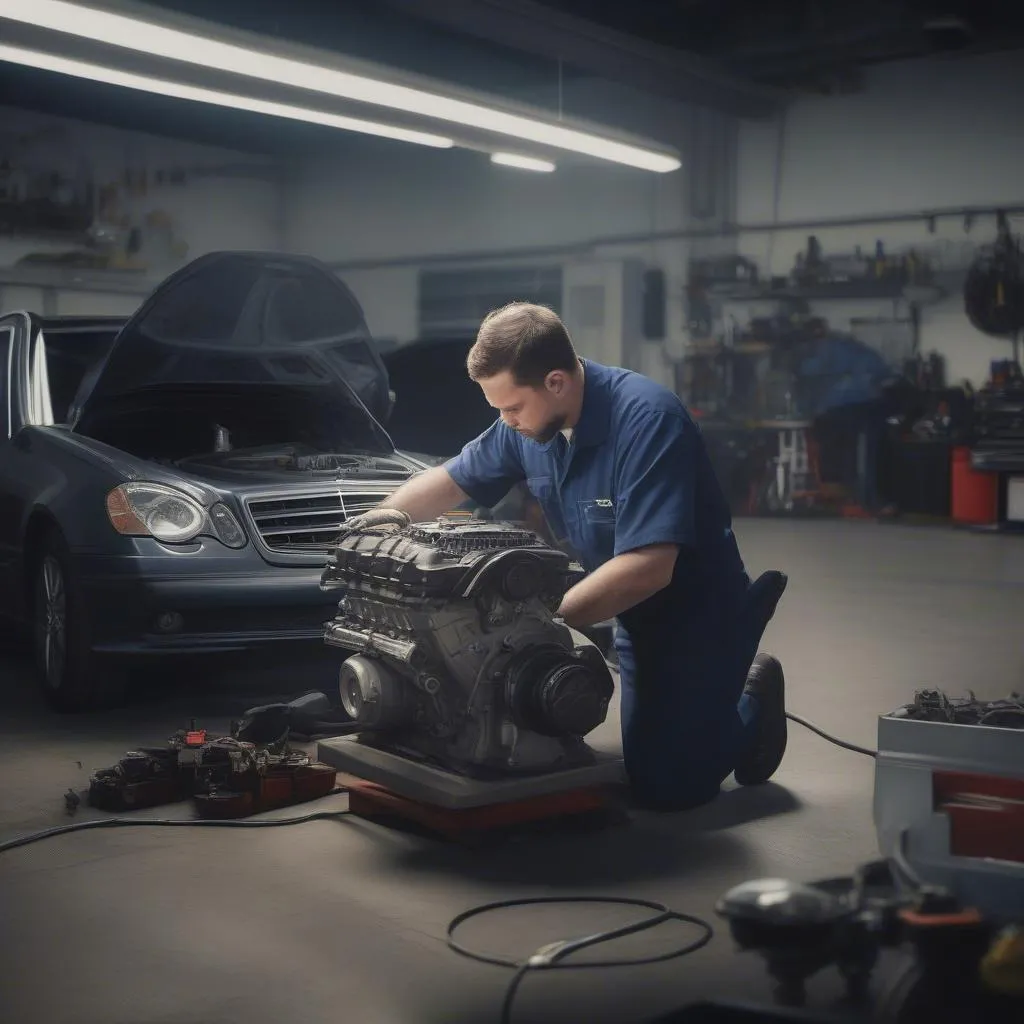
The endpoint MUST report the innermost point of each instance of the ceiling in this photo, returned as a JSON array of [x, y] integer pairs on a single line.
[[805, 44], [741, 56]]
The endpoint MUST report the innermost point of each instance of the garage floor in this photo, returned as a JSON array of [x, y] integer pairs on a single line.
[[344, 921]]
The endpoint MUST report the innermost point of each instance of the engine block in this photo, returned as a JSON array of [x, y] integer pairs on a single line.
[[456, 654]]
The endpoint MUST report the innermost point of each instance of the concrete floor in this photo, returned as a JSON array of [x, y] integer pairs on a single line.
[[345, 921]]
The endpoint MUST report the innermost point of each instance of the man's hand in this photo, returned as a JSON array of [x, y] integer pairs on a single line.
[[620, 584], [426, 496], [389, 519]]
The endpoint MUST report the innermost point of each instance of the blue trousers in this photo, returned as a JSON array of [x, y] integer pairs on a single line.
[[685, 719], [683, 730]]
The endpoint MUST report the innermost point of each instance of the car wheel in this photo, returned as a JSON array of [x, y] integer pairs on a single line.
[[65, 664]]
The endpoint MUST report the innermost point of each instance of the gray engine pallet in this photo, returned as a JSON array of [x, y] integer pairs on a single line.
[[441, 788]]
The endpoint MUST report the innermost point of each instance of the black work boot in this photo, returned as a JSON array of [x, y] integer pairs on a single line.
[[767, 685]]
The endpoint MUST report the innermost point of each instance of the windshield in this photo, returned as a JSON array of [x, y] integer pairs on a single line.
[[302, 427], [70, 355]]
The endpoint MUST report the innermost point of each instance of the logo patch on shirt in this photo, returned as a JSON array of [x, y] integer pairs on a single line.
[[604, 503]]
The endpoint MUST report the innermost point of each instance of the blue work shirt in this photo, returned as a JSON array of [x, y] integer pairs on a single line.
[[636, 473]]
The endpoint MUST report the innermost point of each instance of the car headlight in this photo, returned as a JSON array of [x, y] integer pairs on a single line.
[[169, 515]]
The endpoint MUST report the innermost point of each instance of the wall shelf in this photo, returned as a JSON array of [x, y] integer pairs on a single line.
[[78, 279], [837, 291]]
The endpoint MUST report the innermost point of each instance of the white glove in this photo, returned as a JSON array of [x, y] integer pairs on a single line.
[[379, 520]]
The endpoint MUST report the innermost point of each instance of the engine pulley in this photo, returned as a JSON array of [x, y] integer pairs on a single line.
[[555, 693]]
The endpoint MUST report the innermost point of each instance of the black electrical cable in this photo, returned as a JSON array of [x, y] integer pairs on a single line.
[[82, 826], [550, 956], [845, 744]]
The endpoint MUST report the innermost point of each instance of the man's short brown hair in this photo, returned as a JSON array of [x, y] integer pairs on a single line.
[[527, 340]]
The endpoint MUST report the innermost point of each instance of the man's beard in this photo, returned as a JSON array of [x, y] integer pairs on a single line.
[[547, 432]]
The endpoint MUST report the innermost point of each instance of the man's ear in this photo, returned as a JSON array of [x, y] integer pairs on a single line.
[[555, 382]]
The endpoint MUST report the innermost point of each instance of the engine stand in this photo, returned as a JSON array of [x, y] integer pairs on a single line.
[[426, 784]]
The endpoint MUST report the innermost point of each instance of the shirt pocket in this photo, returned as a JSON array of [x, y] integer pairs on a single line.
[[597, 522]]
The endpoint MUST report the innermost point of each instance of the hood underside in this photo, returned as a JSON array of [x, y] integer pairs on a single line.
[[243, 321]]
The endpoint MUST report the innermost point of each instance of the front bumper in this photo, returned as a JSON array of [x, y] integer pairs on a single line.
[[139, 605]]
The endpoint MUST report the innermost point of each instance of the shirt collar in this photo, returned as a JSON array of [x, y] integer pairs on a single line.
[[594, 423]]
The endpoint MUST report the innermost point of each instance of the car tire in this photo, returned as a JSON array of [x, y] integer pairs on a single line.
[[66, 668]]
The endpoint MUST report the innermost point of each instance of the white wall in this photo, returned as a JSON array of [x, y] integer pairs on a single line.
[[403, 203], [923, 135], [228, 201]]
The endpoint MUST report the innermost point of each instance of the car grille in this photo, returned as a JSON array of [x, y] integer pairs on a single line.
[[311, 522]]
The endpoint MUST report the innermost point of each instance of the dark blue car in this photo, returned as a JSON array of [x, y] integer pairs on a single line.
[[172, 484]]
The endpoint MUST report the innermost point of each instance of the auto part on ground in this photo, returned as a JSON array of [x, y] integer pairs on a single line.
[[251, 770], [457, 660], [234, 779], [957, 965]]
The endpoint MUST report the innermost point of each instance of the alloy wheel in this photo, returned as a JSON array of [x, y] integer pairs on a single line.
[[51, 622]]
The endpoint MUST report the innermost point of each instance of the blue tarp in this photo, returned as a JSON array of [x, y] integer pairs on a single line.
[[841, 371]]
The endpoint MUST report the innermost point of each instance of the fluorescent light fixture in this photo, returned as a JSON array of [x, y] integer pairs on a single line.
[[108, 27], [110, 76], [526, 163]]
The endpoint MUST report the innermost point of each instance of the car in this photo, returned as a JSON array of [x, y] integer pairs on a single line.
[[171, 484]]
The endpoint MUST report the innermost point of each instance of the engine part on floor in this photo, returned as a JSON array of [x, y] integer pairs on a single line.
[[949, 798], [149, 776], [224, 775], [235, 779], [456, 655], [800, 929], [553, 955], [272, 725]]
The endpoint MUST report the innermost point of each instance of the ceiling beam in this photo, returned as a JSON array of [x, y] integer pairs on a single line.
[[650, 67]]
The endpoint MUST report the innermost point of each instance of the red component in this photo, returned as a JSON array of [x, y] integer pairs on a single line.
[[975, 497], [949, 786], [195, 737], [955, 919], [986, 814]]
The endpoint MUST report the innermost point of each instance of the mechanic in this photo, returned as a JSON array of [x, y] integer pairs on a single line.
[[624, 480]]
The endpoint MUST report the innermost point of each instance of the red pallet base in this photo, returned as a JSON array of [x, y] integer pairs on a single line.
[[372, 801]]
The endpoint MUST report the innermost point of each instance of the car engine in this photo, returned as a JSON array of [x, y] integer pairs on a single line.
[[458, 658]]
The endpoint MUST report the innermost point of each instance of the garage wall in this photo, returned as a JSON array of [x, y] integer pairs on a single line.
[[388, 212], [921, 136], [221, 200], [415, 207]]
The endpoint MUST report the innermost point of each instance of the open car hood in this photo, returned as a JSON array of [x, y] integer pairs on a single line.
[[234, 318]]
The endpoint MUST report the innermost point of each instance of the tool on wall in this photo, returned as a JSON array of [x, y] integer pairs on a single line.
[[994, 288]]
